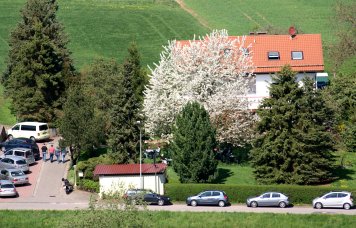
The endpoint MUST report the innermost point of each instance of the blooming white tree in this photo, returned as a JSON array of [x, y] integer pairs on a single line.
[[215, 71]]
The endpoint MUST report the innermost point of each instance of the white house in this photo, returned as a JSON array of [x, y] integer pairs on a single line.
[[303, 52], [120, 177]]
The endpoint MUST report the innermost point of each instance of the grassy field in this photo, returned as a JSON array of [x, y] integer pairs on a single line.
[[242, 16], [6, 118], [35, 219], [104, 29]]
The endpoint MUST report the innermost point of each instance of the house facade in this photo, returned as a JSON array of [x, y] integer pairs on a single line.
[[303, 52], [120, 177]]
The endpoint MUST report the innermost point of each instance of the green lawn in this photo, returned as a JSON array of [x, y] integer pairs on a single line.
[[347, 173], [227, 174], [10, 219], [6, 118]]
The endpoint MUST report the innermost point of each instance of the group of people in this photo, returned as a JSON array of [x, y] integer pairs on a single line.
[[60, 153]]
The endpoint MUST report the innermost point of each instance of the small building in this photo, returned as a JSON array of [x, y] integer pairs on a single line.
[[3, 135], [120, 177]]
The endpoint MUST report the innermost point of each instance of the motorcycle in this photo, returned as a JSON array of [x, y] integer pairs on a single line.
[[67, 186]]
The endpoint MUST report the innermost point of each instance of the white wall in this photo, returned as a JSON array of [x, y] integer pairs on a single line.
[[120, 184], [263, 82]]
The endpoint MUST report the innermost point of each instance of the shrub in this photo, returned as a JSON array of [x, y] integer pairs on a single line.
[[89, 185], [88, 166], [239, 193]]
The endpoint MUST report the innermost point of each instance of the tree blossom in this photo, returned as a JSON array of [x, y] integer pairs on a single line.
[[215, 71]]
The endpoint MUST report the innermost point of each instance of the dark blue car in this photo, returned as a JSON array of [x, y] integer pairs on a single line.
[[21, 143]]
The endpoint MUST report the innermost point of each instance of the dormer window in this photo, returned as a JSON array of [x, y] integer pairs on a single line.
[[273, 55], [297, 55]]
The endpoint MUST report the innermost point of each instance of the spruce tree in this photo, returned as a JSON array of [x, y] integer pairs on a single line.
[[39, 66], [125, 111], [294, 144], [193, 144]]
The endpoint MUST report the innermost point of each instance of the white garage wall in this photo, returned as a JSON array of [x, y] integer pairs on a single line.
[[119, 184]]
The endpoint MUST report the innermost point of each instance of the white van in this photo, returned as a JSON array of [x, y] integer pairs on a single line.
[[32, 130]]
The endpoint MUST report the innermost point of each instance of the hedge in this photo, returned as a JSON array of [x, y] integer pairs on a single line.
[[88, 185], [239, 193]]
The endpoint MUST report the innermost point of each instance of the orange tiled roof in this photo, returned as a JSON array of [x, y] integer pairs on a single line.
[[129, 169], [309, 44]]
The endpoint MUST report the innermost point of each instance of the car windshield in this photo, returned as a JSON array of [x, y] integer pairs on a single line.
[[21, 162], [17, 173], [7, 186]]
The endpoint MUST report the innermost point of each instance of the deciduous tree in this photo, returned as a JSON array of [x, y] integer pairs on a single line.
[[39, 66], [213, 70], [193, 144]]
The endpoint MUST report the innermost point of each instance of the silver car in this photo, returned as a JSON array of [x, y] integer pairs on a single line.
[[213, 197], [7, 188], [16, 176], [14, 162], [21, 152], [269, 199], [334, 199]]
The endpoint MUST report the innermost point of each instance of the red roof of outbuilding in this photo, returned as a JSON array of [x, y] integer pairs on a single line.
[[309, 44], [129, 169]]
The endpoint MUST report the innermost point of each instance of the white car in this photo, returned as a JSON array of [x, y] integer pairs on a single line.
[[334, 199], [31, 130]]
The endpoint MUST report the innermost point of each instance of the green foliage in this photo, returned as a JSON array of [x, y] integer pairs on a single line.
[[88, 166], [39, 67], [192, 145], [126, 109], [79, 127], [89, 185], [6, 118], [294, 144], [239, 193]]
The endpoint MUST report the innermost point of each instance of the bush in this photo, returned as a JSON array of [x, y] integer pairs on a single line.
[[239, 193], [89, 185], [88, 166]]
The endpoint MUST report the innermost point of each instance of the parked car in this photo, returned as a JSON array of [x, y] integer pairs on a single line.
[[275, 199], [14, 162], [32, 130], [21, 152], [16, 176], [334, 199], [21, 143], [213, 197], [7, 188], [148, 196]]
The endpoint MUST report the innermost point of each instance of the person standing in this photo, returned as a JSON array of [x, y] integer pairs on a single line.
[[44, 152], [51, 153], [64, 152], [58, 154]]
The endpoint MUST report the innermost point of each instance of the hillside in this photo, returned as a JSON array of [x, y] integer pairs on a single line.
[[104, 29], [240, 17]]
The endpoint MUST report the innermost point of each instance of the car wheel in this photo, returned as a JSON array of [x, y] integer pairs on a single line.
[[254, 204], [32, 138], [347, 206], [318, 206], [161, 202], [194, 203], [10, 137], [282, 204], [3, 149], [221, 203]]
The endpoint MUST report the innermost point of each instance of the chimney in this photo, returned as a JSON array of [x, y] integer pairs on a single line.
[[292, 32]]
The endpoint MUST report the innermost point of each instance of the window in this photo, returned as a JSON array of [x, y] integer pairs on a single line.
[[205, 194], [332, 195], [216, 193], [341, 195], [28, 128], [276, 195], [245, 51], [21, 162], [43, 127], [266, 195], [227, 52], [273, 55], [17, 127], [297, 55]]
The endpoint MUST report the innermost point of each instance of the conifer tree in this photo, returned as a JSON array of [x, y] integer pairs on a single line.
[[39, 66], [193, 144], [125, 111], [294, 144]]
